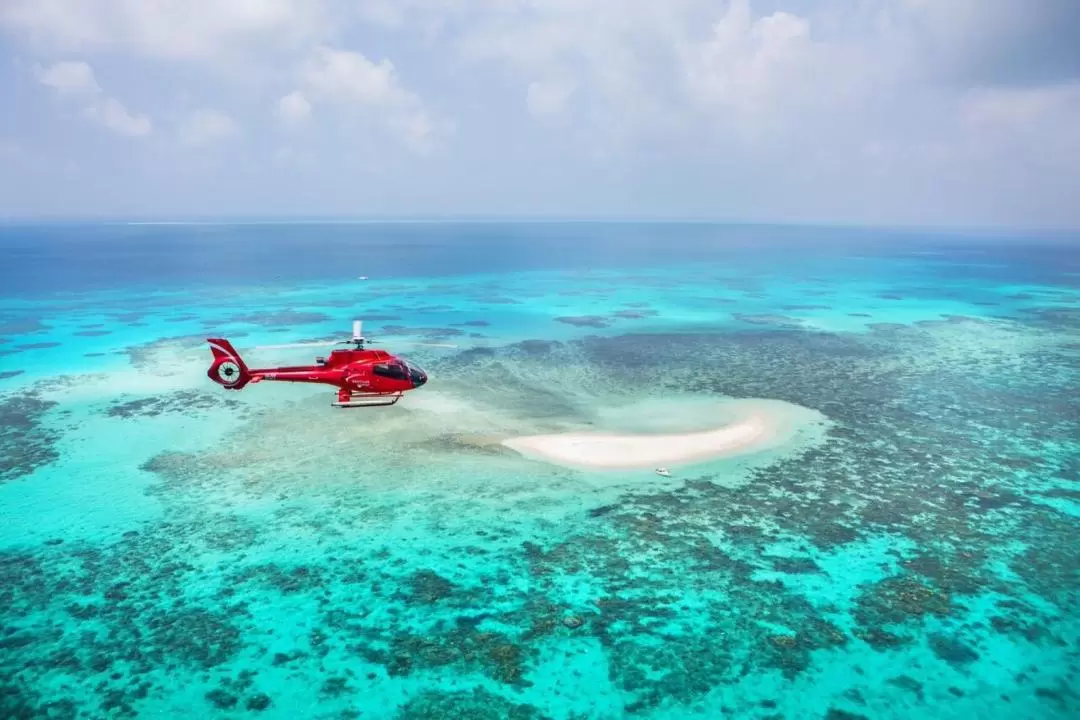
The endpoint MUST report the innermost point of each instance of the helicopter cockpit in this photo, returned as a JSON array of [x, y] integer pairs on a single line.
[[399, 369]]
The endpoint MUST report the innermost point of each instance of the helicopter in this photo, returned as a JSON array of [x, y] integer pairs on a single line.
[[364, 377]]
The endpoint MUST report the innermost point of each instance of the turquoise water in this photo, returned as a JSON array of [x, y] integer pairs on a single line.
[[171, 549]]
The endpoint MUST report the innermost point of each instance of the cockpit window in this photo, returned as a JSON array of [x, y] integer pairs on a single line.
[[395, 370], [416, 375]]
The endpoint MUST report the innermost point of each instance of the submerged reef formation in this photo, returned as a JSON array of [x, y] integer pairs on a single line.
[[405, 567], [178, 402], [26, 441]]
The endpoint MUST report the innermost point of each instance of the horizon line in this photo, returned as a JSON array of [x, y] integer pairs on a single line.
[[451, 218]]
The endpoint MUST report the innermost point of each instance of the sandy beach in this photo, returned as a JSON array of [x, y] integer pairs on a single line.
[[615, 451]]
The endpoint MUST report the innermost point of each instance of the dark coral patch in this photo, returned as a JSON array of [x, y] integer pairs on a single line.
[[899, 599], [20, 326], [464, 648], [593, 321], [26, 442], [271, 319], [952, 650], [837, 714], [430, 333], [426, 586], [181, 401], [498, 300], [4, 375], [287, 581], [136, 589], [92, 333], [795, 566], [781, 321], [537, 347], [478, 704], [634, 314]]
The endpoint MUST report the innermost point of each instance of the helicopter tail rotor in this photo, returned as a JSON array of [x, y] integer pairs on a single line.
[[228, 368]]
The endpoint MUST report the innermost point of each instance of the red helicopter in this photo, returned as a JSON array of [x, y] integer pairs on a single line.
[[364, 378]]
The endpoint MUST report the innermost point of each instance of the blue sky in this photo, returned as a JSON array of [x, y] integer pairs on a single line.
[[859, 111]]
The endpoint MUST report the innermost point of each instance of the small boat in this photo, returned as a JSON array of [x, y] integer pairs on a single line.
[[663, 471]]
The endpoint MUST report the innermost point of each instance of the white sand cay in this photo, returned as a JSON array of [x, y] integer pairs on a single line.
[[752, 426]]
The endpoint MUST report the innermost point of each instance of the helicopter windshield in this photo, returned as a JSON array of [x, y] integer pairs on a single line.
[[418, 376], [401, 370], [396, 370]]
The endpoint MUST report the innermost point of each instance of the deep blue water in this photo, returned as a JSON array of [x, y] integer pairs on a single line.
[[37, 259]]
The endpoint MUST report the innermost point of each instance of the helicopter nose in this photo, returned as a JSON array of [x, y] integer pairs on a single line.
[[418, 376]]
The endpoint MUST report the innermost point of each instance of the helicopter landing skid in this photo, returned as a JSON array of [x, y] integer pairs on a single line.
[[373, 400]]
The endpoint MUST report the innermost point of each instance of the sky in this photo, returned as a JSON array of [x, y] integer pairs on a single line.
[[898, 112]]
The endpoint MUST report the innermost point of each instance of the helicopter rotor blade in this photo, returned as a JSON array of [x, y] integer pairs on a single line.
[[326, 343], [415, 342]]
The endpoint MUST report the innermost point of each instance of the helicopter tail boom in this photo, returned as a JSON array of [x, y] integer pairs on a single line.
[[228, 368]]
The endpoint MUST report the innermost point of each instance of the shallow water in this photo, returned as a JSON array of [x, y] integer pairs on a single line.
[[169, 548]]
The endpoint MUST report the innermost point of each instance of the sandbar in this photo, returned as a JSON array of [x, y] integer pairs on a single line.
[[753, 426]]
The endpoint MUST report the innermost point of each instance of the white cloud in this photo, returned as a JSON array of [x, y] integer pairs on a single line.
[[177, 29], [349, 80], [253, 41], [747, 63], [294, 108], [295, 158], [342, 75], [548, 97], [16, 157], [821, 99], [1020, 107], [113, 115], [205, 126], [76, 79], [1041, 124]]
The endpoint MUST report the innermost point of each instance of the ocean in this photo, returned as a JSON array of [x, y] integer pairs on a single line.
[[910, 548]]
